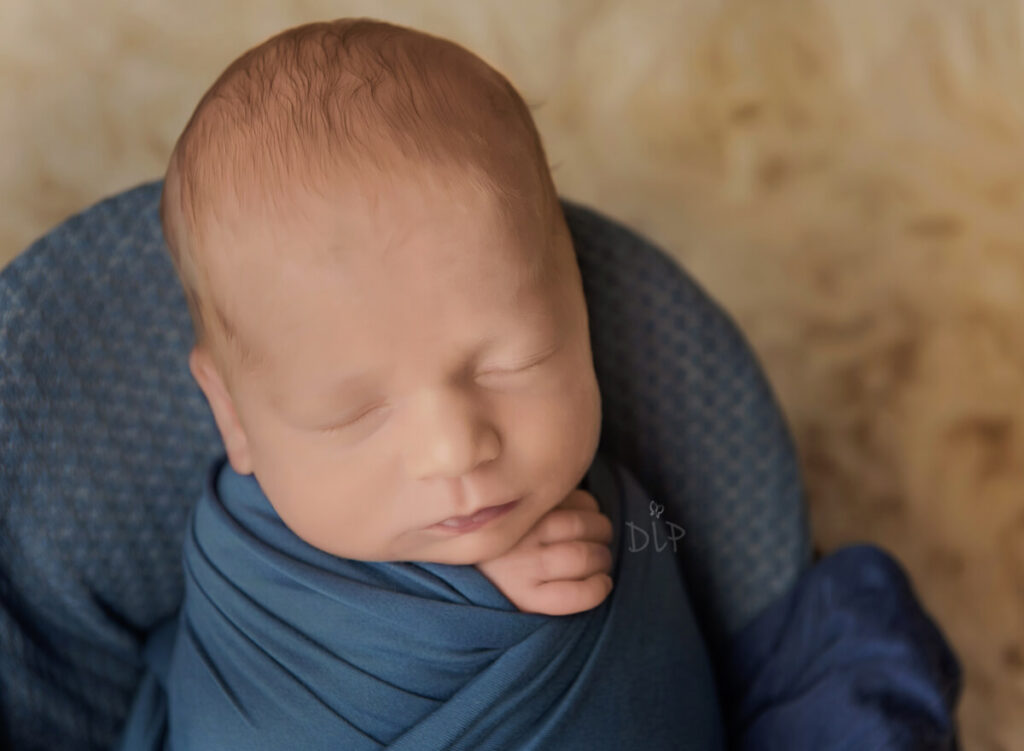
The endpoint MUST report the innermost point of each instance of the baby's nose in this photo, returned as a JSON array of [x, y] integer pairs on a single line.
[[450, 436]]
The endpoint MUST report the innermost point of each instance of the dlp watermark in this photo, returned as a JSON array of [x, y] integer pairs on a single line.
[[676, 532]]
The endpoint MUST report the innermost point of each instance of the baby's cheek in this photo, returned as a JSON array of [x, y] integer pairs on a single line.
[[580, 426], [563, 436]]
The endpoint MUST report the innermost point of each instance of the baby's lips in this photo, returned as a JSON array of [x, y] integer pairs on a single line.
[[472, 521]]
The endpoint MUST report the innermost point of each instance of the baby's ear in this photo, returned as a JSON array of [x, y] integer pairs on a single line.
[[205, 371]]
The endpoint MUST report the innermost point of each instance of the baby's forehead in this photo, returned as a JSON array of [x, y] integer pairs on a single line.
[[367, 217], [387, 255]]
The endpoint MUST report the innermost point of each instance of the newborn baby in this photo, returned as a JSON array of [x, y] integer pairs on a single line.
[[392, 335], [387, 306]]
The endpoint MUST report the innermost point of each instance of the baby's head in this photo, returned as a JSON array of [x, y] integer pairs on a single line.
[[390, 322]]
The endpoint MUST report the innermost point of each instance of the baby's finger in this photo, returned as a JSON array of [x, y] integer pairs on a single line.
[[567, 596], [571, 524], [572, 560]]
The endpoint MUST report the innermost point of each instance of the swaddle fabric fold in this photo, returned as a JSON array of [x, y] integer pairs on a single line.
[[280, 645]]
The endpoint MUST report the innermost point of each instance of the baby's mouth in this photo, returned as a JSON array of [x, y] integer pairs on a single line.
[[475, 521]]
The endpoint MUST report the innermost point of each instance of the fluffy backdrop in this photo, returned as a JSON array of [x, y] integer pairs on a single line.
[[847, 178]]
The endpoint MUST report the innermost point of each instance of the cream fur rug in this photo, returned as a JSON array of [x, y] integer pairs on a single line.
[[847, 178]]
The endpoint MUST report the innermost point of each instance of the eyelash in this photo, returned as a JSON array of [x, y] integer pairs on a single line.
[[530, 364], [350, 423], [505, 371]]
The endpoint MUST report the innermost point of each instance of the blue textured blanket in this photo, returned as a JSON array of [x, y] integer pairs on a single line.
[[282, 646]]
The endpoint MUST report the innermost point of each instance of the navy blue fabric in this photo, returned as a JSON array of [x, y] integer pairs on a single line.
[[104, 438], [282, 646], [846, 660]]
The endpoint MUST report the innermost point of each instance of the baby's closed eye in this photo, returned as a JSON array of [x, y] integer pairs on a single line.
[[510, 370], [526, 364], [518, 369], [358, 416]]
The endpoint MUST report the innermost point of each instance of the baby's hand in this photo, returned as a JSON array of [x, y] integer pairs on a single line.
[[561, 565]]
